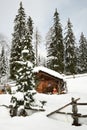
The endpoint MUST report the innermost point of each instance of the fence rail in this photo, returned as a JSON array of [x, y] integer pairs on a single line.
[[75, 115]]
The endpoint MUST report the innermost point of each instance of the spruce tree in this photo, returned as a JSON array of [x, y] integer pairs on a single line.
[[24, 75], [25, 84], [27, 60], [3, 64], [82, 63], [55, 47], [17, 40], [28, 41], [24, 81], [69, 44]]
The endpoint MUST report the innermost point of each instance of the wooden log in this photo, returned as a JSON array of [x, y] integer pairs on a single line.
[[81, 103], [67, 113], [61, 108], [85, 116], [77, 115]]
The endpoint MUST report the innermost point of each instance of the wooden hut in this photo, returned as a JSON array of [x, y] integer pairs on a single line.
[[49, 81]]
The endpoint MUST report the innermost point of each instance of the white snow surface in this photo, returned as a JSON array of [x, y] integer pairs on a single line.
[[77, 88]]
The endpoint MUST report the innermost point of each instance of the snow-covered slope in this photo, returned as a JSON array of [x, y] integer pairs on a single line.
[[77, 88], [77, 84]]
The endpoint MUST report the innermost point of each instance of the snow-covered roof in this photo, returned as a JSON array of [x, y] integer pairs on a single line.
[[48, 71]]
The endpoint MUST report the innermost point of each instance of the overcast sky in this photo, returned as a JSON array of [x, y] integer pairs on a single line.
[[42, 12]]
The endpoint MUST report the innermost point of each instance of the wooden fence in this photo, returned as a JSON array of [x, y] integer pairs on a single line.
[[75, 115]]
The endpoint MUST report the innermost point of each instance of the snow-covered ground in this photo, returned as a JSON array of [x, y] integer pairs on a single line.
[[77, 88]]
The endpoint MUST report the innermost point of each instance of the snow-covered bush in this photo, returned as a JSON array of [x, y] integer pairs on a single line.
[[22, 102]]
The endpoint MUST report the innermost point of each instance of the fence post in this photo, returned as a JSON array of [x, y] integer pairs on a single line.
[[75, 112]]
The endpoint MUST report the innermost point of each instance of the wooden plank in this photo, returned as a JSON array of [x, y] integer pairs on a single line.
[[76, 115], [85, 116], [67, 113], [61, 108], [81, 103]]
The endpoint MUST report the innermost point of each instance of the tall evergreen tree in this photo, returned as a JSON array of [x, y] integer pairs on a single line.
[[27, 60], [82, 63], [24, 76], [28, 40], [69, 43], [23, 61], [55, 47], [17, 40], [3, 64]]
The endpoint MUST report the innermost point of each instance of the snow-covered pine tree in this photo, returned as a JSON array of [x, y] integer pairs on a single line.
[[3, 63], [69, 43], [37, 41], [82, 63], [77, 59], [29, 37], [24, 97], [27, 61], [24, 82], [24, 75], [17, 40], [55, 47]]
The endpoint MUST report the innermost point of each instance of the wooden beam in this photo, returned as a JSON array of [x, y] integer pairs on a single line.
[[67, 113], [81, 103], [77, 115]]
